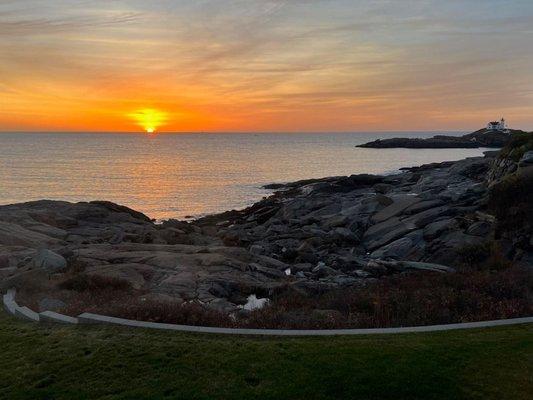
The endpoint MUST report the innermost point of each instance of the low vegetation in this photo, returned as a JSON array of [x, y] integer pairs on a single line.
[[417, 299], [137, 307], [519, 144], [510, 201], [91, 283], [471, 294]]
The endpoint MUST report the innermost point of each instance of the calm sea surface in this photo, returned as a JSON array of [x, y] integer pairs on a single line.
[[178, 175]]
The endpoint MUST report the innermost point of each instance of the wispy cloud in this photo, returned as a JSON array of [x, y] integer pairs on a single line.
[[353, 63]]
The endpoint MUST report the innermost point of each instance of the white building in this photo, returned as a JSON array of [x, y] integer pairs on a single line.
[[497, 126]]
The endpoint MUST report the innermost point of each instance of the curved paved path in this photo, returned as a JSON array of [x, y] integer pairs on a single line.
[[101, 319], [87, 318]]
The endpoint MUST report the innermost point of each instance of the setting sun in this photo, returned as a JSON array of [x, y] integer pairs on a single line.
[[149, 119]]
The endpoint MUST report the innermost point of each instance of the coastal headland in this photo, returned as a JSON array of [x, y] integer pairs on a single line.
[[480, 138]]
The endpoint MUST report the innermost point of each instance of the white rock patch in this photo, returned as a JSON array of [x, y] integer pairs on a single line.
[[254, 303]]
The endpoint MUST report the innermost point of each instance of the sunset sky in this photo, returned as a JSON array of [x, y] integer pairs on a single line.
[[265, 65]]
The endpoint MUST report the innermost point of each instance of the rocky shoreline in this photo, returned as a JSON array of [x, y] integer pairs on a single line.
[[477, 139], [312, 236]]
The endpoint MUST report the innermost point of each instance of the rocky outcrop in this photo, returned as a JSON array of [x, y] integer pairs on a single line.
[[312, 236], [480, 138], [510, 181]]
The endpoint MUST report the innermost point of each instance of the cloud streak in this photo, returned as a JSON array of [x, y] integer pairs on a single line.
[[242, 65]]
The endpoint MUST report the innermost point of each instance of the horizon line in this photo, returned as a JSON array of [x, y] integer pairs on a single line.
[[234, 132]]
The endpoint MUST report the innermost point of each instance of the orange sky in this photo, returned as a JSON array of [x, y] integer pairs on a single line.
[[234, 65]]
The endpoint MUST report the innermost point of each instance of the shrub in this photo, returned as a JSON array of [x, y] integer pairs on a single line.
[[509, 201], [518, 145], [474, 254], [123, 305], [414, 299], [484, 256], [471, 294], [399, 300], [171, 312]]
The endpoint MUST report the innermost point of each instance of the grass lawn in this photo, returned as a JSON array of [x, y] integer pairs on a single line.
[[95, 362]]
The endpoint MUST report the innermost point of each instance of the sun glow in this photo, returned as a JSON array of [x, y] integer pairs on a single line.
[[149, 119]]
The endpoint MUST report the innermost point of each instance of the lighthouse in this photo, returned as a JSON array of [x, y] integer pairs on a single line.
[[499, 126]]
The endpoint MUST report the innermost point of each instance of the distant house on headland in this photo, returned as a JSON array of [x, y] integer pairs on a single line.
[[497, 126]]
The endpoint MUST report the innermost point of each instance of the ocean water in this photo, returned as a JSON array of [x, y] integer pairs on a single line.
[[184, 175]]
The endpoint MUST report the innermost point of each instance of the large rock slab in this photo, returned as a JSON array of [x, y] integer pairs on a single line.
[[435, 229], [402, 248], [400, 204], [15, 235], [49, 261], [133, 273], [413, 265], [426, 217], [386, 232], [423, 206]]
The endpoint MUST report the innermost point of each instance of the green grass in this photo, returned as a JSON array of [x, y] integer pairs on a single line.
[[56, 362]]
